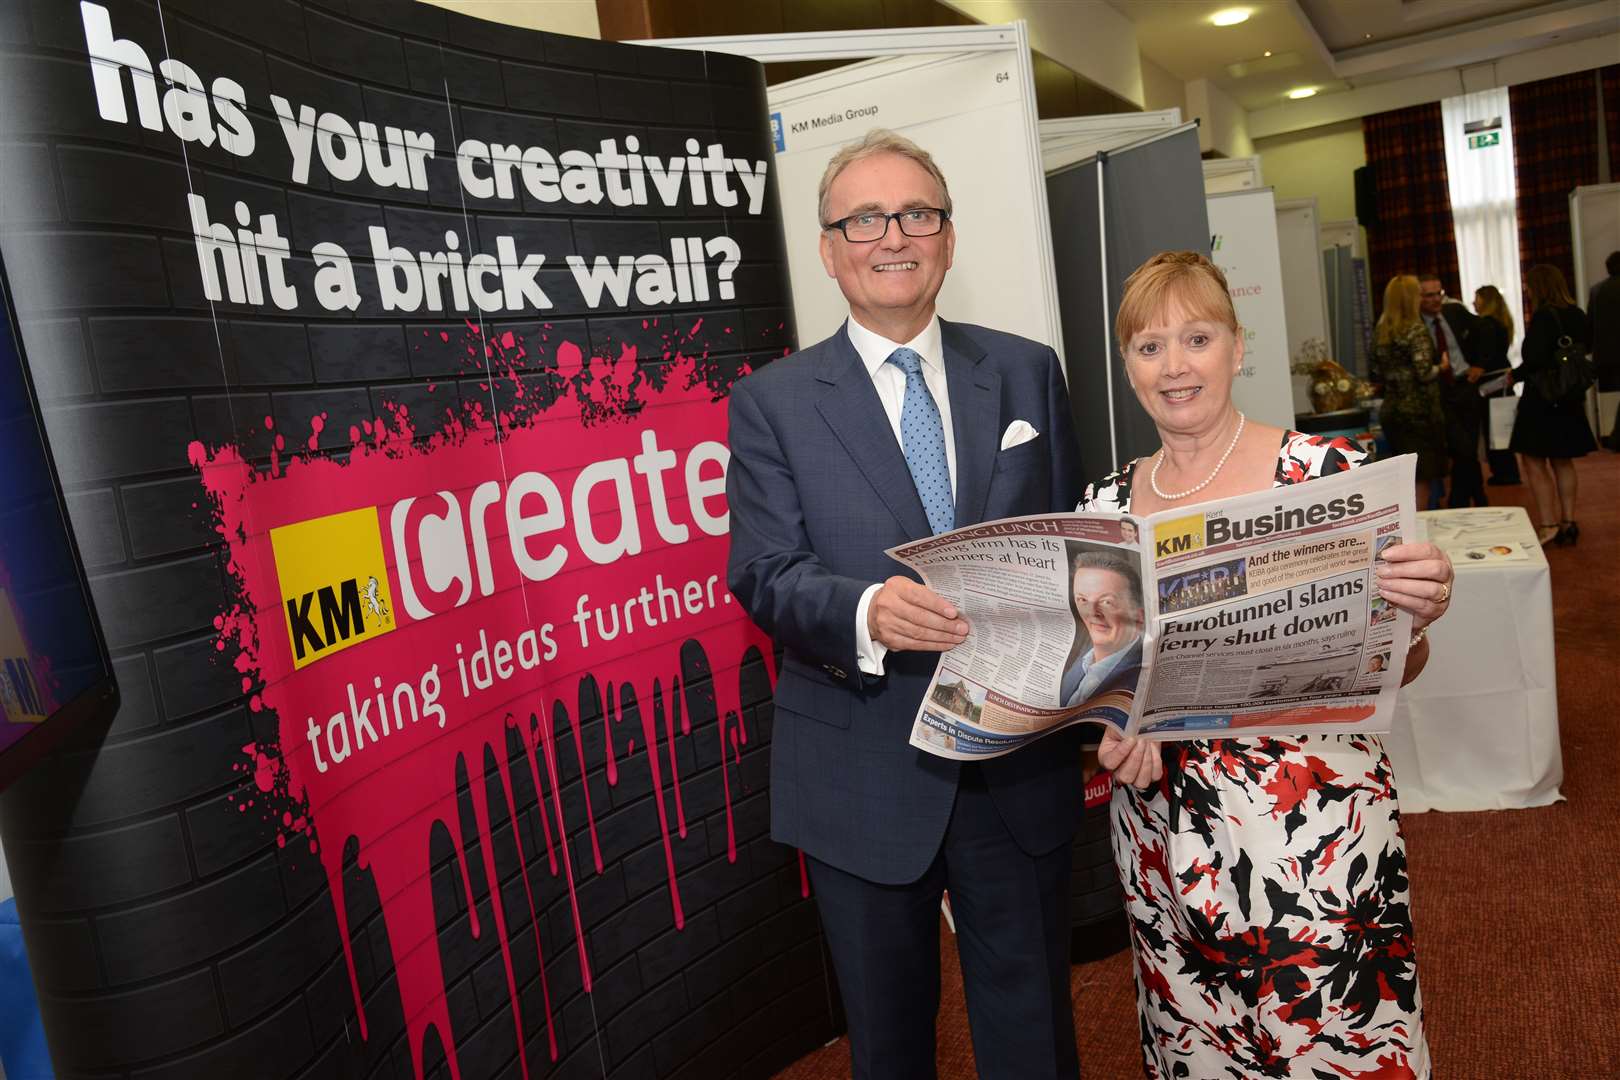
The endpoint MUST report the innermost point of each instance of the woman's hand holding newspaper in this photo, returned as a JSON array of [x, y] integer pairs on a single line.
[[1416, 578], [1133, 761]]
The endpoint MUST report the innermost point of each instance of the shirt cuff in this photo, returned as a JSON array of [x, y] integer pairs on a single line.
[[869, 654]]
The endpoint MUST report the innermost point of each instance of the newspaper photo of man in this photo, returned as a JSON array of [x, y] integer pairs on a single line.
[[1106, 595]]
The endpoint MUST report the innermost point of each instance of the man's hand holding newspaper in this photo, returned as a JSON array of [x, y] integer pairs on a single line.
[[906, 615]]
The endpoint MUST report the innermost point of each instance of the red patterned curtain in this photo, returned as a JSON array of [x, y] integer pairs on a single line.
[[1406, 151], [1555, 151], [1611, 116]]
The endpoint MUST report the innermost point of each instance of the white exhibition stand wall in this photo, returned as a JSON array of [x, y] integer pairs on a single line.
[[1299, 249], [1070, 139], [1594, 221], [1243, 226], [969, 112], [966, 94], [1231, 174]]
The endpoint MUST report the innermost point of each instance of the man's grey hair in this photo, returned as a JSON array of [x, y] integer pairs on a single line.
[[874, 142]]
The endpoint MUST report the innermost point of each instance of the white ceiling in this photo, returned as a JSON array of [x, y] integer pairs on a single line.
[[1347, 24], [1338, 45]]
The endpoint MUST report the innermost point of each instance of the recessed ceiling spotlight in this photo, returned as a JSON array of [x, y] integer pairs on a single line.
[[1302, 92], [1268, 52], [1367, 36], [1230, 16]]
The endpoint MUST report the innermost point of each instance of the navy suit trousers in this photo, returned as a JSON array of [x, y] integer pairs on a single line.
[[1012, 924]]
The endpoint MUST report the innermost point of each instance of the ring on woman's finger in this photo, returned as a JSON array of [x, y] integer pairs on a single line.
[[1445, 593]]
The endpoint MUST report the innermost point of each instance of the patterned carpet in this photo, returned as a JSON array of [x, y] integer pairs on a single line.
[[1518, 911]]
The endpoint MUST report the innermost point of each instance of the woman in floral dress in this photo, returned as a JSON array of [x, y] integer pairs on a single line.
[[1408, 376], [1265, 878]]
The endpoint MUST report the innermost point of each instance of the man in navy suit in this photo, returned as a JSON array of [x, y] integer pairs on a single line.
[[1456, 351], [899, 426]]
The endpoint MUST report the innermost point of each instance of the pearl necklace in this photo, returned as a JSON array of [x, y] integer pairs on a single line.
[[1153, 477]]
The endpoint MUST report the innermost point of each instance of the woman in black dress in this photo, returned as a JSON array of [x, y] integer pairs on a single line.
[[1549, 435], [1494, 331], [1492, 336]]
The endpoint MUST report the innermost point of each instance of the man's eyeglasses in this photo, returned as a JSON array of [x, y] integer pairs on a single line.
[[870, 225]]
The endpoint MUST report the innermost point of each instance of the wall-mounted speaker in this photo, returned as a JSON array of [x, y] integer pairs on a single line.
[[1366, 198]]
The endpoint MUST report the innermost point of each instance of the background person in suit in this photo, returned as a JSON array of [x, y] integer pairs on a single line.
[[1603, 310], [1106, 590], [1451, 326], [884, 433]]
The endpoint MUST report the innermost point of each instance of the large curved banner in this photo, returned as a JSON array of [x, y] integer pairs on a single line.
[[385, 356]]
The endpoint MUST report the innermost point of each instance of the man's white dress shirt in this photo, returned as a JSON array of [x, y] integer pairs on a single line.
[[890, 383]]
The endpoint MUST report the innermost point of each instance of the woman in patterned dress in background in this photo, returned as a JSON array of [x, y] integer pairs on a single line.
[[1265, 878], [1408, 376]]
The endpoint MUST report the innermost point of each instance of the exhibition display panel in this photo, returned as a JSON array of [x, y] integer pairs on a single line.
[[1594, 221], [1304, 281], [1110, 212], [54, 671], [1070, 139], [1245, 243], [384, 355], [966, 95]]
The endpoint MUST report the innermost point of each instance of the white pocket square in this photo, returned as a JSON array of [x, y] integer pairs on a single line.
[[1018, 432]]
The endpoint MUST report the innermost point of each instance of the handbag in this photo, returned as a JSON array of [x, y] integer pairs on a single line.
[[1569, 374]]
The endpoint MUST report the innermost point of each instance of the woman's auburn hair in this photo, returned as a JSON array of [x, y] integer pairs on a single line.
[[1546, 286], [1185, 279], [1400, 307]]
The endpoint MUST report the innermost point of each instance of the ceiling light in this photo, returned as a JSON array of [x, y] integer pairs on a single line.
[[1230, 16], [1268, 52], [1302, 92]]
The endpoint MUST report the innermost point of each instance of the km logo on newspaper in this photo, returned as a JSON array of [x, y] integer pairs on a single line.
[[1178, 536]]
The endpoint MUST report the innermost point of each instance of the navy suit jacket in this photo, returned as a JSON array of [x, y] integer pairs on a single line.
[[818, 487]]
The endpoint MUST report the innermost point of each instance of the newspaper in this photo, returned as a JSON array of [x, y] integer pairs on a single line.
[[1258, 614]]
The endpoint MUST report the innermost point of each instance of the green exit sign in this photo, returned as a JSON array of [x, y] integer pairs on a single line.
[[1484, 139]]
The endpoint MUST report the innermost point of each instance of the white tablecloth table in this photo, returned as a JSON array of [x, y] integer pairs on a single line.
[[1478, 730]]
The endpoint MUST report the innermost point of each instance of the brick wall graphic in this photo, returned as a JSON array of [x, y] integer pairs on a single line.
[[385, 356]]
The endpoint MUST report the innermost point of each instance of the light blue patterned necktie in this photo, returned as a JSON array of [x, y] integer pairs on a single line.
[[922, 438]]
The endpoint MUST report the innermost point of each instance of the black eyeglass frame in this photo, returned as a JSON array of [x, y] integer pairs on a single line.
[[842, 224]]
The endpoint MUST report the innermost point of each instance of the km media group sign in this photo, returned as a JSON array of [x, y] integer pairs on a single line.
[[385, 356]]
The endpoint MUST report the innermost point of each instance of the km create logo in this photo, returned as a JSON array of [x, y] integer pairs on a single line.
[[1178, 536], [334, 584]]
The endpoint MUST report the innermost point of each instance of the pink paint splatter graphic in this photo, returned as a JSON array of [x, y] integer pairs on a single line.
[[574, 528]]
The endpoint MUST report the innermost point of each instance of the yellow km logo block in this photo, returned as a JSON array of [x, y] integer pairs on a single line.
[[1178, 536], [334, 584]]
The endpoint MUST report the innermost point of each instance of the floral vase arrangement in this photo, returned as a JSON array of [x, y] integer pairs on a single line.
[[1331, 387]]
